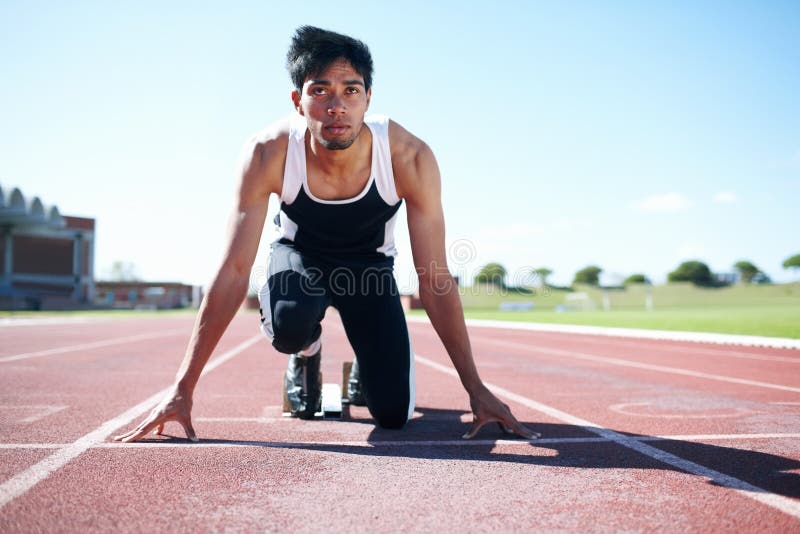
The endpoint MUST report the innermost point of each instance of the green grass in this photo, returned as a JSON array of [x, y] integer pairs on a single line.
[[767, 310]]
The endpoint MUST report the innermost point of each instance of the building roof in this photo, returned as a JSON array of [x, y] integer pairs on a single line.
[[17, 209]]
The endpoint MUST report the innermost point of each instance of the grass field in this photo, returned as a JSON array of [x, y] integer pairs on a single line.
[[765, 310]]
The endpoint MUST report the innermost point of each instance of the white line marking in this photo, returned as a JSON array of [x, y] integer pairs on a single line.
[[786, 403], [695, 350], [641, 333], [402, 443], [784, 504], [22, 482], [637, 365], [624, 409], [40, 411], [93, 345], [40, 321], [720, 437], [240, 419], [32, 445]]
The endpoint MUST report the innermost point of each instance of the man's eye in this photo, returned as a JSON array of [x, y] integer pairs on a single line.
[[352, 90], [318, 91]]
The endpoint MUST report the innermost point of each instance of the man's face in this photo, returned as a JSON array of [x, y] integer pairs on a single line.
[[334, 104]]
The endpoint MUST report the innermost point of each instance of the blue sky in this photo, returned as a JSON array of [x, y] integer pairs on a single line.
[[630, 135]]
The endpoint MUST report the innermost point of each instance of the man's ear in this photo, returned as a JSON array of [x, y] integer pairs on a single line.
[[369, 96], [296, 102]]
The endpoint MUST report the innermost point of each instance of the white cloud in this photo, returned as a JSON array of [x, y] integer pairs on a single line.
[[666, 203], [725, 197]]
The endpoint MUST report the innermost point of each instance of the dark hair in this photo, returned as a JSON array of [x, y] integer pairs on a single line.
[[313, 50]]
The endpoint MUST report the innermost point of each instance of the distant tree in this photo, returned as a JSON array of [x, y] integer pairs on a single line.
[[694, 271], [792, 262], [122, 271], [492, 273], [637, 279], [747, 270], [588, 275], [542, 273], [761, 278]]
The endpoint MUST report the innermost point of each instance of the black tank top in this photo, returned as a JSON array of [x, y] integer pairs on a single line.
[[358, 231]]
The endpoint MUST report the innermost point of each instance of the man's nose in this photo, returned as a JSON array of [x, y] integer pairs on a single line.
[[336, 106]]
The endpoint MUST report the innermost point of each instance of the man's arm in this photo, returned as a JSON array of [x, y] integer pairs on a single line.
[[259, 178], [419, 183]]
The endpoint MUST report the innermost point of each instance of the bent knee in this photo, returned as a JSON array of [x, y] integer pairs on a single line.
[[392, 421], [293, 327]]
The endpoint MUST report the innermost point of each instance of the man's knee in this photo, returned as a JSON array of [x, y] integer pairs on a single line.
[[393, 415], [392, 421], [294, 327]]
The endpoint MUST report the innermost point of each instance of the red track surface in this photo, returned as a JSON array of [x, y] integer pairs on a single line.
[[601, 403]]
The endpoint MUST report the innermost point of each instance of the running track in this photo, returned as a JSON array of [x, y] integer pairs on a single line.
[[638, 435]]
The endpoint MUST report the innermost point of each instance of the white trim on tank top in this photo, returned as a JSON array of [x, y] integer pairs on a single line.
[[295, 176]]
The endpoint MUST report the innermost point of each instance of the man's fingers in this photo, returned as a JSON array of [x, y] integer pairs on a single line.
[[125, 435], [505, 428], [159, 429], [477, 424], [189, 429], [145, 427], [133, 435], [512, 426]]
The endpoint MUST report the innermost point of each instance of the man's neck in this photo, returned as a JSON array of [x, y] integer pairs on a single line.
[[341, 164]]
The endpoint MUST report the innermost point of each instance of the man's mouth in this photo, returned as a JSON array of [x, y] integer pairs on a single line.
[[336, 128]]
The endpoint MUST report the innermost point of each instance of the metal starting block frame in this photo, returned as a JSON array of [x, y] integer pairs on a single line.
[[335, 404]]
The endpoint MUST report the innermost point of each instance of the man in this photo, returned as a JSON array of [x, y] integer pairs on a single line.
[[341, 180]]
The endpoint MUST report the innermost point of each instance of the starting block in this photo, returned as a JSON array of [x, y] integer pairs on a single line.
[[335, 404], [331, 401]]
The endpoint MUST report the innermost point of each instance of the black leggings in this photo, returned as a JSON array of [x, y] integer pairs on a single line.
[[293, 301]]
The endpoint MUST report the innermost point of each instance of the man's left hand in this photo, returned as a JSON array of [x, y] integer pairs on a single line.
[[487, 408]]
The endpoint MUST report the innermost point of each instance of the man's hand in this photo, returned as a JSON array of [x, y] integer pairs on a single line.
[[176, 406], [487, 408]]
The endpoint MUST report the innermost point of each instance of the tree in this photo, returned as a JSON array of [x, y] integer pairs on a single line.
[[588, 275], [491, 273], [746, 270], [792, 262], [122, 271], [637, 279], [542, 273], [693, 271]]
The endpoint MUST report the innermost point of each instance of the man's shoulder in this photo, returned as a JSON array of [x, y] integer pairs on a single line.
[[270, 141], [405, 146], [412, 161], [264, 155]]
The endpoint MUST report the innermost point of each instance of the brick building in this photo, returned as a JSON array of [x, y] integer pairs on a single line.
[[46, 259], [147, 295]]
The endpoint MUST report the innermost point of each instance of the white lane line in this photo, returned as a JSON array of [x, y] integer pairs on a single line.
[[632, 409], [640, 333], [93, 345], [402, 443], [239, 419], [22, 482], [719, 437], [43, 321], [40, 411], [637, 365], [695, 350], [32, 445], [784, 504]]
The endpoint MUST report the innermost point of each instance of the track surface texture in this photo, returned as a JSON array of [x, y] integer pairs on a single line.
[[638, 435]]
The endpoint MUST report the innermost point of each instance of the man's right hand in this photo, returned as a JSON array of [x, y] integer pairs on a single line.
[[176, 406]]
